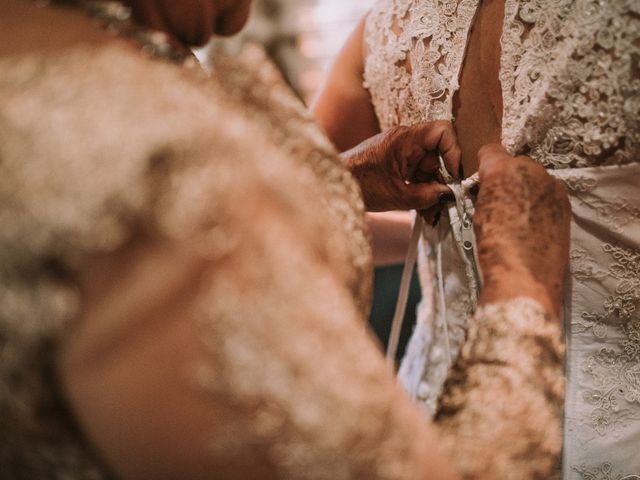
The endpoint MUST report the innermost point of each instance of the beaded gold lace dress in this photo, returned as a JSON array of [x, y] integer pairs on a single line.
[[97, 141], [570, 82]]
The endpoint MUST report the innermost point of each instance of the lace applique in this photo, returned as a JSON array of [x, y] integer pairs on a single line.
[[602, 472], [415, 55], [583, 267], [615, 213], [549, 48], [580, 184], [614, 394], [626, 269]]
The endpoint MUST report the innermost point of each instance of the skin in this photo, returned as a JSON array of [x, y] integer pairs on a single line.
[[192, 22], [477, 106], [522, 227], [343, 106], [398, 169]]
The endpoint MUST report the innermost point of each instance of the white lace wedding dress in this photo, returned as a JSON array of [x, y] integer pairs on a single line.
[[570, 78]]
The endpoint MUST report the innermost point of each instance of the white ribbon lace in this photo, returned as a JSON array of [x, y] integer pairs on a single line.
[[460, 216]]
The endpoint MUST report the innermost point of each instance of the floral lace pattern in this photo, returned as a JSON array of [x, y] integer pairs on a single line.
[[416, 53], [602, 472], [614, 393], [615, 212]]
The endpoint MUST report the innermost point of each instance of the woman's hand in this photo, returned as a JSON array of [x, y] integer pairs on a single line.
[[398, 169], [522, 228]]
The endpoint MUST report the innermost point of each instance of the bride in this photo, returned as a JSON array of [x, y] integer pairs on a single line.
[[557, 81]]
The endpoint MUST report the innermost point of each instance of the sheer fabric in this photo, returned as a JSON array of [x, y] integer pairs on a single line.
[[571, 94]]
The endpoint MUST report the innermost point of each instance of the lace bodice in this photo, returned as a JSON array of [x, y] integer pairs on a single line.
[[571, 100], [568, 72]]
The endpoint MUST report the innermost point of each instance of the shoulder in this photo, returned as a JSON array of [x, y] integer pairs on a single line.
[[90, 134]]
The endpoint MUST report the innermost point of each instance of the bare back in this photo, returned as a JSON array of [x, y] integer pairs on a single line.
[[477, 106]]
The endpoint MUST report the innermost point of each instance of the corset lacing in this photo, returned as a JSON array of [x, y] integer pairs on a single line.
[[460, 217]]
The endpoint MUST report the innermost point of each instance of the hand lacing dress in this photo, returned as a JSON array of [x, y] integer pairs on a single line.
[[570, 78]]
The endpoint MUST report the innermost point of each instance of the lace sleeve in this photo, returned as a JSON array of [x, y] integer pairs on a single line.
[[304, 388], [238, 351], [506, 391]]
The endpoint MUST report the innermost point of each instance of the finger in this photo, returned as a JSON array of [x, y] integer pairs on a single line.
[[490, 157], [432, 215], [437, 137], [427, 169], [450, 150], [442, 137], [420, 161], [421, 196]]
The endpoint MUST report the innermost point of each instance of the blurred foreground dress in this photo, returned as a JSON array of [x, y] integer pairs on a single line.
[[97, 144]]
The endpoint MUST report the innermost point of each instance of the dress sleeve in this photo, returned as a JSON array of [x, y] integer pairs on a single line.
[[246, 360], [501, 411], [304, 389]]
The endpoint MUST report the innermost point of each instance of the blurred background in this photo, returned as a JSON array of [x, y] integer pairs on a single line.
[[303, 37]]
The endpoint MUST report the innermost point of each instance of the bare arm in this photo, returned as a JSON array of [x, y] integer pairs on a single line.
[[343, 107]]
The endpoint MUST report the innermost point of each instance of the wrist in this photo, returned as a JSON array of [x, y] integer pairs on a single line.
[[360, 163], [357, 161], [508, 283]]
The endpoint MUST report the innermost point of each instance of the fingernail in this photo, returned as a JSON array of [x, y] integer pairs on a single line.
[[475, 190], [461, 171], [436, 219], [447, 197]]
